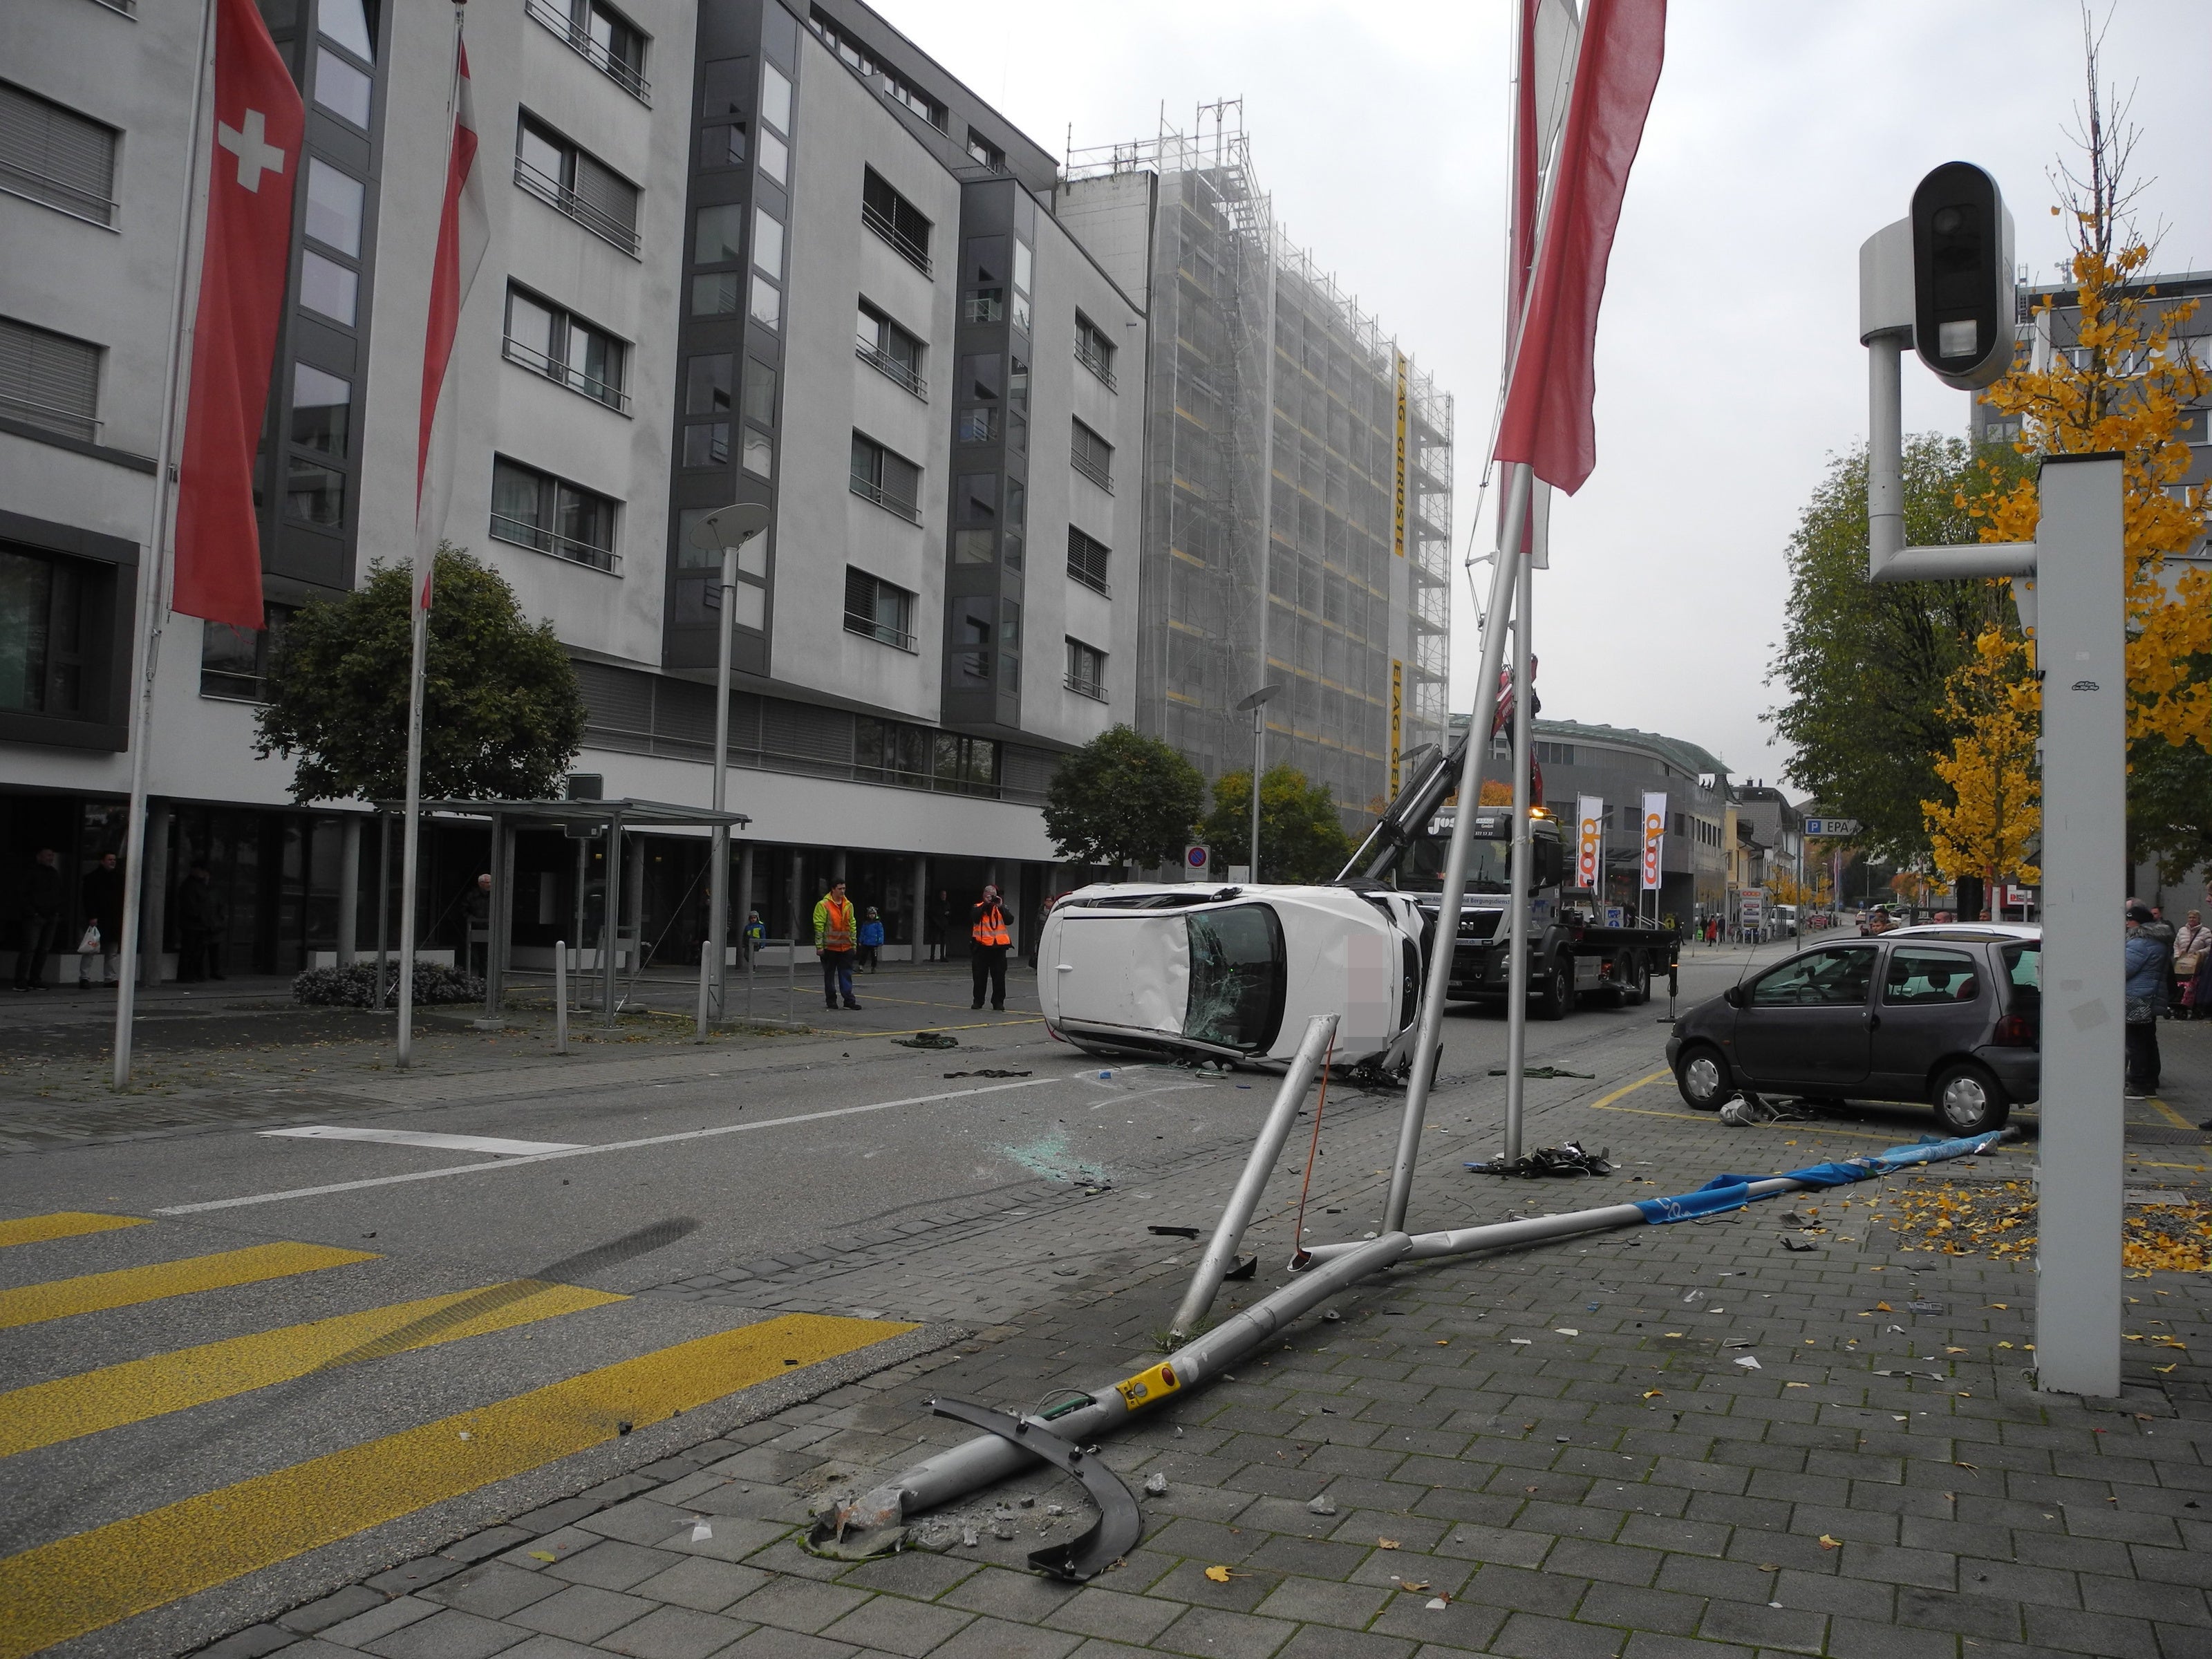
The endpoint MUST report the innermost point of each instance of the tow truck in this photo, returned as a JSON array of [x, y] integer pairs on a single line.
[[1572, 950]]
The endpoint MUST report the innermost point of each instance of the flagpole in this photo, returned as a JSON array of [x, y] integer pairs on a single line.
[[153, 591], [423, 574]]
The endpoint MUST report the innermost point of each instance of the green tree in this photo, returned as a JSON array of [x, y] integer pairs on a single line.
[[1301, 835], [1866, 667], [503, 715], [1123, 798]]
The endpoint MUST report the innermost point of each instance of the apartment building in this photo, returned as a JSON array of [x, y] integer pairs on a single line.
[[740, 250]]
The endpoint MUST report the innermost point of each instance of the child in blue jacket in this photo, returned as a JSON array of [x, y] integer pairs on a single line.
[[871, 939]]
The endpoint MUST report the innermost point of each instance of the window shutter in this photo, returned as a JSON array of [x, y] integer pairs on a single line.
[[54, 155], [860, 593], [49, 379], [608, 191]]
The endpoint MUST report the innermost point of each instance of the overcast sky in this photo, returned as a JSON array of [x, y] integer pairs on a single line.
[[1728, 370]]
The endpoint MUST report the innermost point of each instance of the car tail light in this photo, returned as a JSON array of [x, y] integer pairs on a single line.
[[2015, 1031]]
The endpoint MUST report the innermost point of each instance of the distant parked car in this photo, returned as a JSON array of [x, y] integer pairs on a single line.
[[1232, 974], [1950, 1015]]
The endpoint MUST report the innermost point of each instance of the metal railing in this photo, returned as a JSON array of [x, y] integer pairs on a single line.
[[524, 534], [576, 380], [891, 369], [1088, 685], [54, 417], [579, 39], [883, 632], [560, 197], [904, 245], [49, 191], [873, 492], [1091, 579], [1097, 364], [1091, 470]]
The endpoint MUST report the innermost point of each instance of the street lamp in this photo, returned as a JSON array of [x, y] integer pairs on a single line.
[[1256, 704], [724, 529]]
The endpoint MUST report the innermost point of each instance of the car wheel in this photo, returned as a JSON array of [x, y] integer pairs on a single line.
[[1557, 996], [1702, 1075], [1969, 1101]]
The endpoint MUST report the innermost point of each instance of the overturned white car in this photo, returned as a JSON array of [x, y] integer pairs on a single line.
[[1232, 974]]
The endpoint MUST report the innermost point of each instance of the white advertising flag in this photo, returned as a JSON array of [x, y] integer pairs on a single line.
[[1655, 831], [1589, 840]]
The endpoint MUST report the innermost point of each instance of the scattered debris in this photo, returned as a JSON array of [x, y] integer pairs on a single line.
[[1791, 1241], [1174, 1232], [1570, 1159], [1156, 1484], [1322, 1505], [991, 1071], [1544, 1071], [702, 1530], [1748, 1363], [927, 1040]]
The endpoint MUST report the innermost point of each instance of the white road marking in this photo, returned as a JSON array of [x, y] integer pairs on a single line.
[[425, 1138], [587, 1151]]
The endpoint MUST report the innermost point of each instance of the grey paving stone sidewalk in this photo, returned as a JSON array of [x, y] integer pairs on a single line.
[[1564, 1447]]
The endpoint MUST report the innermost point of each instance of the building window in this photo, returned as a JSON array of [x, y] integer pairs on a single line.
[[328, 288], [888, 479], [1094, 350], [43, 633], [1086, 670], [49, 379], [602, 37], [889, 349], [535, 509], [985, 152], [562, 347], [916, 757], [341, 89], [56, 157], [235, 661], [709, 383], [877, 609], [894, 219], [351, 23], [1087, 559], [576, 184], [863, 63], [1093, 457], [335, 204]]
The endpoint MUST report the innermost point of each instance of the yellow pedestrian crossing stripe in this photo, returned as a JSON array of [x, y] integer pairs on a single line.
[[65, 1224], [94, 1292], [70, 1407], [56, 1591]]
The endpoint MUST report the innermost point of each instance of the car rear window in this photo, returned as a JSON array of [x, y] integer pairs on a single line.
[[2024, 969], [1921, 974], [1237, 971]]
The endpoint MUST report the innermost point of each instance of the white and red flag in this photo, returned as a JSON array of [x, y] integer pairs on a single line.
[[246, 256], [463, 233], [1547, 420]]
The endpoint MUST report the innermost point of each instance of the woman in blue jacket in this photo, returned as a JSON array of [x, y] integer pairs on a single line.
[[2146, 996]]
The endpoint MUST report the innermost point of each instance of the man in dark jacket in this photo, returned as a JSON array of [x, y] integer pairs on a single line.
[[42, 917], [100, 895], [201, 917]]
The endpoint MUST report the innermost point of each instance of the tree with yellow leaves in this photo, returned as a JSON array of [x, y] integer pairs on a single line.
[[1985, 830], [2121, 386]]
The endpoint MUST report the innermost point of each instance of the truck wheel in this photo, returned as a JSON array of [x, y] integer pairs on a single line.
[[1557, 998], [1702, 1075], [1634, 974], [1968, 1100]]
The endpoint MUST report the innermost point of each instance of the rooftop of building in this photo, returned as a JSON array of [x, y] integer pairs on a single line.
[[1686, 757]]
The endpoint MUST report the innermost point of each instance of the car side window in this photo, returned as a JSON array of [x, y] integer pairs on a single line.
[[1818, 979], [1919, 974]]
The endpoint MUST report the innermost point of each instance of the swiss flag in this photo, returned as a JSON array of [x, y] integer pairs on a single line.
[[255, 164], [463, 233]]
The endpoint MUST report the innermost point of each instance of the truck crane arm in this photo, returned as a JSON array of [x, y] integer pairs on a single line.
[[1406, 817]]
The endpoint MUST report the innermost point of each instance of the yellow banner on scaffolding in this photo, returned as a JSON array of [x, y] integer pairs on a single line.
[[1400, 543], [1397, 715]]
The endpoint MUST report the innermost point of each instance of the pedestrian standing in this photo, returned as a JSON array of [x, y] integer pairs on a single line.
[[201, 917], [836, 935], [100, 892], [871, 939], [941, 926], [2146, 962], [475, 907], [42, 918], [753, 933], [2192, 942], [992, 940]]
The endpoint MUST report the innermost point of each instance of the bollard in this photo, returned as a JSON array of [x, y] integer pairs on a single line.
[[706, 988], [560, 996]]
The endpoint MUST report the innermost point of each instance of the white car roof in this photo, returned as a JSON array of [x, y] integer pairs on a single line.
[[2029, 930]]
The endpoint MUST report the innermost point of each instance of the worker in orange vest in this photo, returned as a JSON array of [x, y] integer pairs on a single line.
[[992, 938], [836, 933]]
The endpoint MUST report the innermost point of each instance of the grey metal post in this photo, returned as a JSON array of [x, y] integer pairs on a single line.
[[800, 910], [918, 910], [497, 903], [383, 900], [610, 886], [1220, 1254], [1437, 989], [744, 905], [348, 889], [718, 851], [1259, 756], [560, 996], [634, 901], [1516, 980], [2080, 649]]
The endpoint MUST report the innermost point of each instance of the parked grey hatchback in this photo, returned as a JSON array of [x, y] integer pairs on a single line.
[[1949, 1016]]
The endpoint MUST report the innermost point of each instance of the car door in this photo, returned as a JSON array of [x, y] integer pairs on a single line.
[[1126, 971], [1934, 1002], [1802, 1025]]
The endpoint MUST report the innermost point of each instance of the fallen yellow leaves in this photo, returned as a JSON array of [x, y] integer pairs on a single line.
[[1387, 1544], [1998, 1220], [1219, 1575], [1828, 1543]]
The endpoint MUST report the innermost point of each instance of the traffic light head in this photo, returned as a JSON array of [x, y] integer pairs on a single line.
[[1962, 284]]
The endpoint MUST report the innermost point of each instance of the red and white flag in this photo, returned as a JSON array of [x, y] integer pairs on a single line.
[[463, 233], [255, 166], [1547, 420]]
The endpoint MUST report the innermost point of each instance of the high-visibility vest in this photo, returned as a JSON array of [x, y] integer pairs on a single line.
[[991, 926], [836, 925]]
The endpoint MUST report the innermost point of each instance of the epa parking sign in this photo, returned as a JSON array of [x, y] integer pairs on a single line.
[[1195, 858]]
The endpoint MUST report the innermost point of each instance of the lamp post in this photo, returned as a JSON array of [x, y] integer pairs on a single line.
[[1257, 704], [726, 529]]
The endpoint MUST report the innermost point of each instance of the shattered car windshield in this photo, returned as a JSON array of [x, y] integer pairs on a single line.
[[1238, 972]]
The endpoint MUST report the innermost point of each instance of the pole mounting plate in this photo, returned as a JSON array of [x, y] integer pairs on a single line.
[[1119, 1524]]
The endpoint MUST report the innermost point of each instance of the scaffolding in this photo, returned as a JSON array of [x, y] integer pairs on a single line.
[[1271, 509]]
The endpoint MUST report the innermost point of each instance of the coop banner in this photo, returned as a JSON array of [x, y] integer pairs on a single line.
[[1655, 832], [1589, 840]]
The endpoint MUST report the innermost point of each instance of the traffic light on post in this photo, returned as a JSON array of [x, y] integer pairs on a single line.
[[1962, 282]]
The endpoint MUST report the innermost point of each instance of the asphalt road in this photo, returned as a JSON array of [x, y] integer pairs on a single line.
[[313, 1296]]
